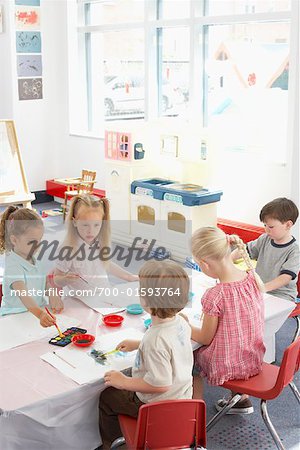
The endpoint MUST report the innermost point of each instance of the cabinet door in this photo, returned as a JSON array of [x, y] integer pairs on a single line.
[[176, 224], [117, 185], [145, 217], [111, 143]]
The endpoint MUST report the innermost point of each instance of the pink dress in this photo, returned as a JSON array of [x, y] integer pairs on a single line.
[[237, 349]]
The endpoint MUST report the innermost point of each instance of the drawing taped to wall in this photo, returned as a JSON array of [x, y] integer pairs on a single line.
[[29, 65], [27, 18], [28, 2], [30, 88], [28, 42]]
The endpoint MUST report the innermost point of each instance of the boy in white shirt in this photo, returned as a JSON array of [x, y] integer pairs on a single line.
[[164, 361]]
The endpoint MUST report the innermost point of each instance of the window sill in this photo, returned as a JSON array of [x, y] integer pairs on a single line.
[[86, 134]]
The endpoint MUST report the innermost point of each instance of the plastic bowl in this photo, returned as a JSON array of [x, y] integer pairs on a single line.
[[113, 320], [135, 308], [191, 295], [147, 323], [83, 340]]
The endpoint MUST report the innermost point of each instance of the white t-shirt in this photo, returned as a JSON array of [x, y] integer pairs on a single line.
[[165, 358], [87, 264]]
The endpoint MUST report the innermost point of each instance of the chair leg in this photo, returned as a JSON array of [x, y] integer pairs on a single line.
[[117, 443], [223, 411], [65, 207], [297, 332], [270, 426], [295, 390]]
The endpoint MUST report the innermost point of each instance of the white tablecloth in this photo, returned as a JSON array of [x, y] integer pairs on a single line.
[[42, 409]]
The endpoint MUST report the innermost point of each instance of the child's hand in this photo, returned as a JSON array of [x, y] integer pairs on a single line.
[[69, 278], [133, 278], [115, 379], [185, 317], [46, 320], [56, 304], [128, 345]]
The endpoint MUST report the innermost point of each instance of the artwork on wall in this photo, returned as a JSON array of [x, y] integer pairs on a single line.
[[28, 48], [28, 2], [27, 18], [30, 88], [28, 42], [29, 65]]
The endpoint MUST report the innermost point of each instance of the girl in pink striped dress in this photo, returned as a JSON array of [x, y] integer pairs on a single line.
[[233, 320]]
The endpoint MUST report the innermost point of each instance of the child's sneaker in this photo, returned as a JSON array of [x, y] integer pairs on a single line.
[[241, 407]]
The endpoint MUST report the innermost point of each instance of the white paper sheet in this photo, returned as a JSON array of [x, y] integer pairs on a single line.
[[86, 369], [117, 296], [19, 329]]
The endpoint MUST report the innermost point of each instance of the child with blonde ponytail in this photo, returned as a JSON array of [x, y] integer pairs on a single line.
[[87, 261], [24, 284], [233, 321]]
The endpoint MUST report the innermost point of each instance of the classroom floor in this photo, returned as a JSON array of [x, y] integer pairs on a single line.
[[233, 432]]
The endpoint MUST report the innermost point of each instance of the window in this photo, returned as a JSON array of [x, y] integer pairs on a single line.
[[224, 63], [247, 70], [173, 64]]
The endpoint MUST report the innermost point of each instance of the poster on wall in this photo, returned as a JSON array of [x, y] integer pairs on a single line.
[[28, 42], [27, 18], [29, 65], [28, 2], [30, 88]]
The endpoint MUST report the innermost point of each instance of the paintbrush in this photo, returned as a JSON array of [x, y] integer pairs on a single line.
[[58, 329], [79, 276], [111, 352]]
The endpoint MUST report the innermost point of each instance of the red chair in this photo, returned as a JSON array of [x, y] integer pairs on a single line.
[[296, 312], [267, 385], [165, 425], [296, 315]]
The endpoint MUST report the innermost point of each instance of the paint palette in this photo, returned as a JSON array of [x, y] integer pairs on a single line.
[[67, 339]]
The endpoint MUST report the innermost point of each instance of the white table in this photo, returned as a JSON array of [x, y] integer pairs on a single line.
[[42, 409]]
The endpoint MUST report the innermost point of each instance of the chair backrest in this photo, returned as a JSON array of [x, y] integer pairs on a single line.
[[171, 424], [88, 175], [88, 179], [289, 366]]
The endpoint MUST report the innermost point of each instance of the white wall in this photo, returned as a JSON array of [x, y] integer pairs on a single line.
[[42, 125], [49, 151]]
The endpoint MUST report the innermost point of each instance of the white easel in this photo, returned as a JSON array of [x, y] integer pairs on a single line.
[[13, 183]]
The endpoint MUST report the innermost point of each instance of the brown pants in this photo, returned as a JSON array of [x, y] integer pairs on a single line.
[[111, 403]]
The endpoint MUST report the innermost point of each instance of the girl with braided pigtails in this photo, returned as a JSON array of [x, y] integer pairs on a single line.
[[233, 316]]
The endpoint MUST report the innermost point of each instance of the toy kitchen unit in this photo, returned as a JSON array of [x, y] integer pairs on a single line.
[[155, 194]]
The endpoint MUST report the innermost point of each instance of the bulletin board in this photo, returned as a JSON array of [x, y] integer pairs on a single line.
[[13, 183]]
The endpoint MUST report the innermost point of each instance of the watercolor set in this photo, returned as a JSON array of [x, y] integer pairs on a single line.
[[67, 339]]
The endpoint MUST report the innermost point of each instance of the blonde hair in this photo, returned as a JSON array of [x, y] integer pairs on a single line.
[[213, 243], [164, 285], [16, 221], [93, 202]]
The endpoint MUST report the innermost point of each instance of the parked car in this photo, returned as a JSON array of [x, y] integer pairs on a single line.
[[127, 94]]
